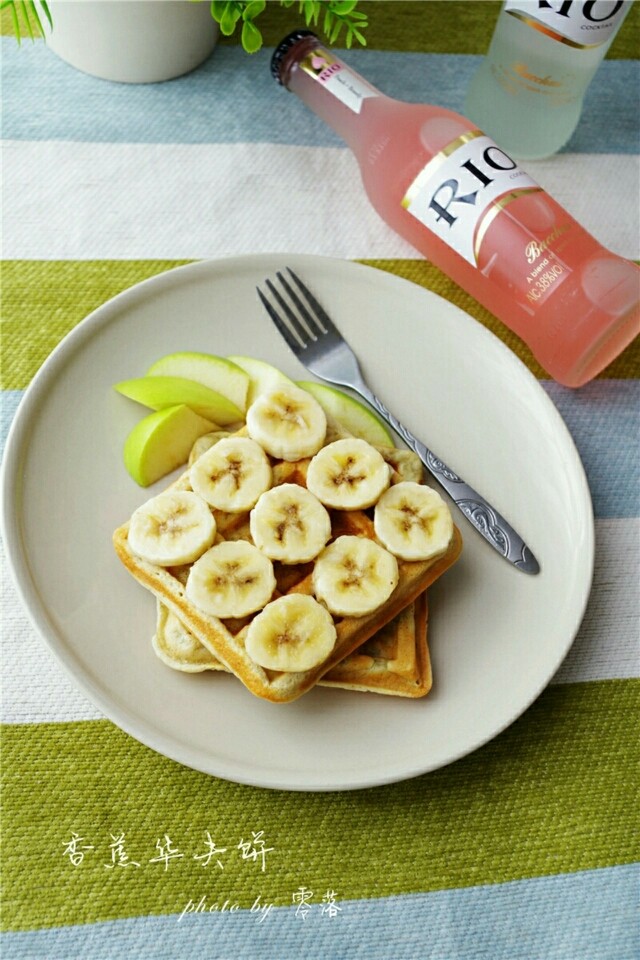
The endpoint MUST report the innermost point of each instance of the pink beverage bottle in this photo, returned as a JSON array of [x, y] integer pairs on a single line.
[[470, 209]]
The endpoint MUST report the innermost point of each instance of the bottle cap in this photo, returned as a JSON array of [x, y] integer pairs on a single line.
[[283, 48]]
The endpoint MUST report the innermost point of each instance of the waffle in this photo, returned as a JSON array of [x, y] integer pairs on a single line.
[[225, 638], [394, 661]]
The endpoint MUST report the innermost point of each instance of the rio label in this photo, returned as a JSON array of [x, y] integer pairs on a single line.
[[341, 82], [578, 23], [462, 189]]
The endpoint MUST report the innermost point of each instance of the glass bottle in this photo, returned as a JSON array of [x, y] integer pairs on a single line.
[[467, 206], [528, 91]]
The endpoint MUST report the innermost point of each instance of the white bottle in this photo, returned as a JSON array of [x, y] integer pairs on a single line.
[[528, 92]]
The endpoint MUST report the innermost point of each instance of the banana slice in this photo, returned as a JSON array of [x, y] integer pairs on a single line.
[[292, 634], [413, 521], [175, 527], [231, 579], [354, 576], [287, 422], [232, 474], [348, 475], [289, 524]]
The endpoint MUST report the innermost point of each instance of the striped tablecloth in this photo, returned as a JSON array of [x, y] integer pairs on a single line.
[[523, 850]]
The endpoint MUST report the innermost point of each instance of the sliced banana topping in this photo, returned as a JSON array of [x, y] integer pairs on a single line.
[[232, 474], [289, 524], [292, 634], [231, 579], [354, 576], [413, 521], [348, 475], [175, 527], [287, 422]]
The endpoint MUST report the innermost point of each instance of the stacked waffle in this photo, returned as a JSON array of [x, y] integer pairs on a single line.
[[293, 555]]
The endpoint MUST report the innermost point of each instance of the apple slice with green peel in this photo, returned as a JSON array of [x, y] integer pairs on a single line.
[[263, 376], [353, 415], [161, 392], [162, 441], [217, 373]]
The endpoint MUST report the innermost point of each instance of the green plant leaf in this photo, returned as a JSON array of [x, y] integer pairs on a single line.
[[47, 12], [218, 9], [226, 13], [253, 9], [251, 37], [36, 17], [343, 7], [14, 17], [25, 16], [335, 32], [230, 17], [306, 10]]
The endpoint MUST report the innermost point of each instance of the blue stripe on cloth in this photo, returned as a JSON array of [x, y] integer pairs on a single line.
[[46, 99], [580, 916], [602, 417], [9, 400]]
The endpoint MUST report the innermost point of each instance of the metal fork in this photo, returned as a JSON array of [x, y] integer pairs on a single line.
[[320, 347]]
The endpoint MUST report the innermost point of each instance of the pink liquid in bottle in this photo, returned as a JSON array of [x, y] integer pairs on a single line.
[[470, 209]]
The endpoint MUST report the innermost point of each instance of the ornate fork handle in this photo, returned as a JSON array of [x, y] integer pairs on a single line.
[[485, 518]]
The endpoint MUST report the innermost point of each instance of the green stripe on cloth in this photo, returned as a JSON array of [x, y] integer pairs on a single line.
[[553, 794], [429, 27], [43, 300]]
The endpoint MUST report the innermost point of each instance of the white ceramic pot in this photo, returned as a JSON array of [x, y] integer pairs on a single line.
[[132, 41]]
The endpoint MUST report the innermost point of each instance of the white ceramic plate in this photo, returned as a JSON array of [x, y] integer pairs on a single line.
[[496, 635]]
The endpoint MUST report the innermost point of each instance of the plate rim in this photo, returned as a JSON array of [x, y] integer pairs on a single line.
[[140, 729]]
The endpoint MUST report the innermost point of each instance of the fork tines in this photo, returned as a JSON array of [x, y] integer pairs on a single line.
[[302, 327]]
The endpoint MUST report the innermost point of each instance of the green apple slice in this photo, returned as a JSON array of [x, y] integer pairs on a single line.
[[161, 442], [263, 376], [353, 415], [217, 373], [161, 392]]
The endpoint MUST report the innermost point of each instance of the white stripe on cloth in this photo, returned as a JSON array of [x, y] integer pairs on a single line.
[[37, 690], [83, 201]]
